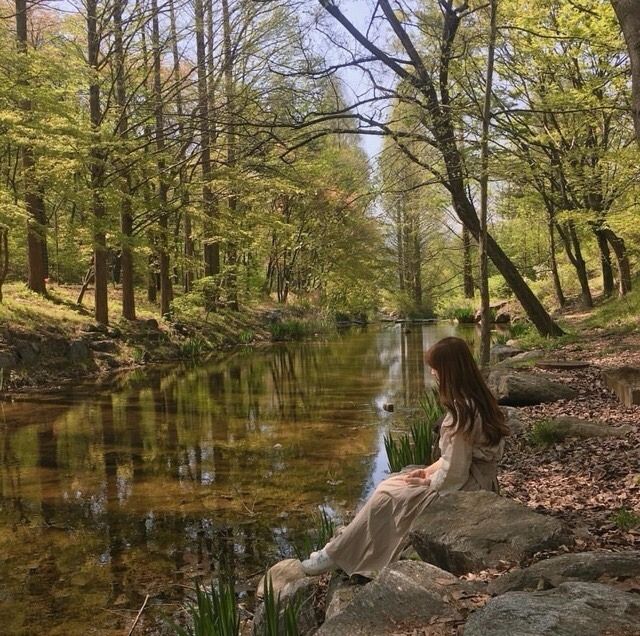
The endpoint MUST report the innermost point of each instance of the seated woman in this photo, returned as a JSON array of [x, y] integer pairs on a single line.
[[471, 443]]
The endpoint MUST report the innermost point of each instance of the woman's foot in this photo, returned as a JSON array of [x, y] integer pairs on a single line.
[[318, 563]]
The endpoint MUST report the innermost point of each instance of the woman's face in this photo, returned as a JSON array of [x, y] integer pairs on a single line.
[[434, 373]]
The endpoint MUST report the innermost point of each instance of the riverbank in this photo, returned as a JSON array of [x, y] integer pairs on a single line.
[[46, 343]]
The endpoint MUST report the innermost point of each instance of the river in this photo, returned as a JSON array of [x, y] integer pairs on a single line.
[[107, 495]]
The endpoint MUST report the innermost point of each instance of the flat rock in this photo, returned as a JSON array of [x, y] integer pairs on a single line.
[[604, 567], [340, 593], [499, 352], [571, 609], [518, 388], [566, 365], [406, 595], [624, 382], [527, 356], [584, 429], [471, 531], [282, 574]]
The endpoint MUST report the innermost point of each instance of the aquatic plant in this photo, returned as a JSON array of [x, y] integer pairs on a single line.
[[193, 348], [279, 619], [214, 612], [317, 537], [415, 447]]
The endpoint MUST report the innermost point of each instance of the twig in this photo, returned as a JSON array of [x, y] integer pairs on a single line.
[[139, 615]]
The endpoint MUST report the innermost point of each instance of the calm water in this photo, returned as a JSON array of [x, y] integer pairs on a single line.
[[106, 496]]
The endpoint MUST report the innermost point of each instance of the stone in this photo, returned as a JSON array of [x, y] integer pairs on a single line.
[[562, 365], [95, 328], [501, 352], [105, 346], [340, 593], [387, 406], [7, 359], [26, 352], [282, 573], [302, 593], [78, 351], [584, 429], [571, 609], [502, 317], [114, 332], [513, 419], [624, 382], [151, 323], [406, 595], [519, 388], [527, 356], [469, 531], [588, 567]]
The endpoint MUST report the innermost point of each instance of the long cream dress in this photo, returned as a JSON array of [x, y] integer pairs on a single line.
[[377, 535]]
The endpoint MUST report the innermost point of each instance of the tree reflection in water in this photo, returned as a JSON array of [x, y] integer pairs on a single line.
[[106, 496]]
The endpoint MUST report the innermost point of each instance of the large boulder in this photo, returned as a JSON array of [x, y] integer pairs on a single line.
[[341, 592], [571, 609], [517, 388], [584, 429], [471, 531], [514, 421], [625, 383], [406, 595], [281, 574], [609, 567]]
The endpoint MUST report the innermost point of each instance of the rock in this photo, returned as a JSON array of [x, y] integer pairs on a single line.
[[571, 609], [513, 419], [387, 406], [502, 317], [106, 358], [584, 429], [517, 388], [114, 332], [26, 352], [151, 323], [406, 595], [95, 328], [340, 593], [624, 382], [301, 592], [563, 365], [282, 574], [471, 531], [527, 356], [105, 346], [580, 566], [7, 359], [502, 352], [78, 351]]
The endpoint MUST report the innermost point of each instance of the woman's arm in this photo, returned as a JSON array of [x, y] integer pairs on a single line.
[[456, 459]]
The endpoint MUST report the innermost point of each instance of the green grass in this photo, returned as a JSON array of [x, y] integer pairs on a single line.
[[279, 619], [544, 433], [464, 314], [298, 329], [193, 348], [626, 519], [415, 447], [617, 313], [316, 538], [214, 612]]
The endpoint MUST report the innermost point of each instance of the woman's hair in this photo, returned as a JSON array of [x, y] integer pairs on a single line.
[[463, 391]]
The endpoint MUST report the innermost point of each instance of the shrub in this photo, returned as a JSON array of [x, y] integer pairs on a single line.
[[464, 315], [193, 348], [544, 433], [626, 519], [416, 446]]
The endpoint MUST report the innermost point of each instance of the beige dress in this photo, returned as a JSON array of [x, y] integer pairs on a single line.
[[377, 535]]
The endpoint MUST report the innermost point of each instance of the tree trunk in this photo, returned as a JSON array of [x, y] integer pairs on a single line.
[[166, 291], [96, 156], [574, 254], [622, 259], [400, 242], [605, 262], [628, 12], [211, 245], [557, 285], [4, 255], [485, 303], [34, 201], [126, 216], [467, 265]]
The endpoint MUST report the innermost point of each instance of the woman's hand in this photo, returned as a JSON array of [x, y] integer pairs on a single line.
[[419, 477]]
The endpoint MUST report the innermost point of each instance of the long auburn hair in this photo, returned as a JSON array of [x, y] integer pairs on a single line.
[[463, 391]]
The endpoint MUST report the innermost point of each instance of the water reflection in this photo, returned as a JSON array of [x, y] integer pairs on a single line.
[[108, 496]]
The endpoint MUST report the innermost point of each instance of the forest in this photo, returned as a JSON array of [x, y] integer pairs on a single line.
[[222, 154]]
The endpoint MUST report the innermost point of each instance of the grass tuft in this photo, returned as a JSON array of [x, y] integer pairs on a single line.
[[544, 433], [317, 537], [626, 519]]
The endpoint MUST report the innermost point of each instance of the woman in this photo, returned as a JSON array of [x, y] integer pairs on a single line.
[[471, 443]]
